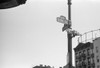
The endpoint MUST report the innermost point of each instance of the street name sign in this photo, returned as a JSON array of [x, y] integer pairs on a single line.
[[62, 19]]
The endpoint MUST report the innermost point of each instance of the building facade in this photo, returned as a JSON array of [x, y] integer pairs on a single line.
[[84, 55], [96, 44], [87, 54]]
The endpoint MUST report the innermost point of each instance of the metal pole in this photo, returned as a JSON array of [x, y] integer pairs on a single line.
[[69, 36]]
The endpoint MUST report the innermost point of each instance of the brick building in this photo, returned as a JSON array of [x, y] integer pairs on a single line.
[[87, 54]]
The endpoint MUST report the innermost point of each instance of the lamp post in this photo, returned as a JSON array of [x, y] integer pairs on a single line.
[[70, 33], [69, 36]]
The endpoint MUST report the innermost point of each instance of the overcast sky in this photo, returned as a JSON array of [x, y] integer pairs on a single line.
[[30, 34]]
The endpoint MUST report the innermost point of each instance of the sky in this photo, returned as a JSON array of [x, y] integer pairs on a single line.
[[30, 34]]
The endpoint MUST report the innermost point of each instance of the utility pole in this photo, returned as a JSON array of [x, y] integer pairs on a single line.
[[70, 33], [69, 36]]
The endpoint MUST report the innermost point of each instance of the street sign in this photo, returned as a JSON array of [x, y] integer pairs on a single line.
[[67, 23], [69, 30], [73, 32], [62, 19], [65, 27]]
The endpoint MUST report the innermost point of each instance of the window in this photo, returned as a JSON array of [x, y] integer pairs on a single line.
[[79, 53], [80, 66], [97, 59], [92, 55], [76, 66], [89, 66], [76, 56], [76, 62], [84, 66], [89, 60], [84, 51], [93, 65], [84, 57], [98, 66], [88, 52], [97, 49], [79, 56]]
